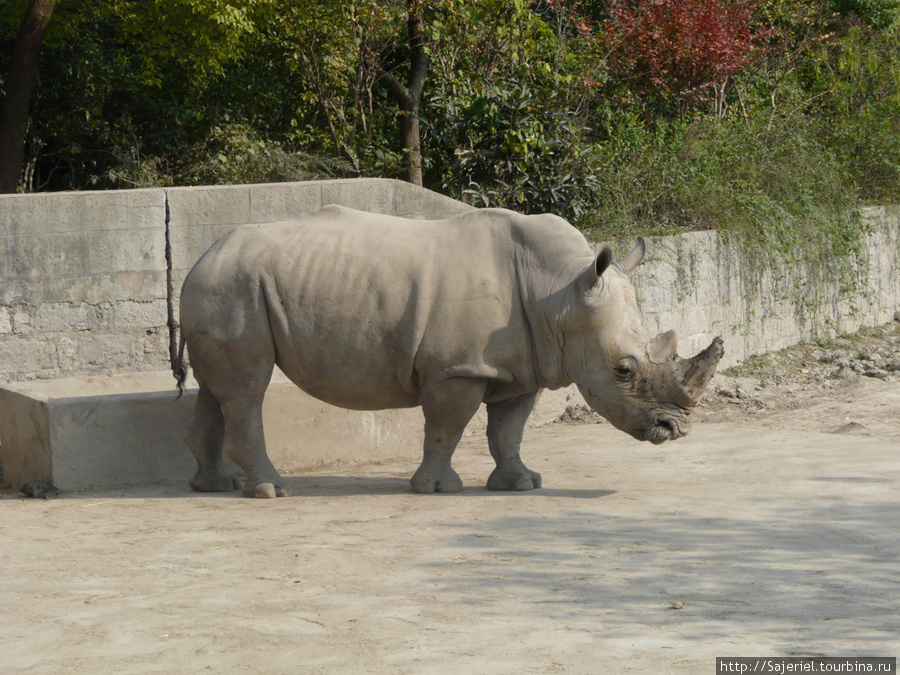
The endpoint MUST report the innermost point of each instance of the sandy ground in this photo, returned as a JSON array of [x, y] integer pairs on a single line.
[[774, 528]]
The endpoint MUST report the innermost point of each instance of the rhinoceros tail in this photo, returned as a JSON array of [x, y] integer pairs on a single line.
[[179, 370]]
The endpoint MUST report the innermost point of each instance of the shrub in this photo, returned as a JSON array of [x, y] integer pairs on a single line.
[[782, 194], [232, 154], [671, 53], [511, 147]]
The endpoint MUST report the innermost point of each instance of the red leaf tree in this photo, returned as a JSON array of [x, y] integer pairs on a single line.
[[673, 53]]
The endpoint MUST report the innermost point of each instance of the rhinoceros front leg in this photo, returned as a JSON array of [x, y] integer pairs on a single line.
[[505, 428], [448, 407]]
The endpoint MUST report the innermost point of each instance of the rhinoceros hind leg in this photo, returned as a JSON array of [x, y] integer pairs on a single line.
[[448, 406], [205, 439], [246, 446], [506, 426]]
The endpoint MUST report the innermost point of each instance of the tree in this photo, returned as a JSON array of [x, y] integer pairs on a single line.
[[126, 84], [409, 96], [20, 82]]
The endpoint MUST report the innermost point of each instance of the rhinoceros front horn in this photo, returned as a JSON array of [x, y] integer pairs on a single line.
[[695, 373]]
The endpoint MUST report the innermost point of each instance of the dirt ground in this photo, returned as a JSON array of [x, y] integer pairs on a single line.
[[773, 529]]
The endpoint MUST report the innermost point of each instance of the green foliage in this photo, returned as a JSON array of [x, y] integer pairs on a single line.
[[502, 123], [856, 81], [879, 14], [776, 190], [511, 148], [332, 50], [231, 154], [197, 37], [526, 106]]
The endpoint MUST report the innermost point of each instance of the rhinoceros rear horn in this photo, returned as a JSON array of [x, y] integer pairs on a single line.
[[662, 347], [698, 371], [634, 258]]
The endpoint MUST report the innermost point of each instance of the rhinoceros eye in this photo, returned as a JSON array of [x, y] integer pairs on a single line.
[[625, 369]]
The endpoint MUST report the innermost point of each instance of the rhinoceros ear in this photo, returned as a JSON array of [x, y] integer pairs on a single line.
[[634, 258], [590, 278]]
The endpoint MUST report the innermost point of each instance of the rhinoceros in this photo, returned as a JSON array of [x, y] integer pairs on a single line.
[[369, 312]]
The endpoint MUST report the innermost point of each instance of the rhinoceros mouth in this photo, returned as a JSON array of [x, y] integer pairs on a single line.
[[663, 429]]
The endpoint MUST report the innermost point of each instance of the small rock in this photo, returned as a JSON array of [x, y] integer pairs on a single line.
[[579, 413], [678, 604], [40, 490], [897, 315], [877, 373], [841, 359]]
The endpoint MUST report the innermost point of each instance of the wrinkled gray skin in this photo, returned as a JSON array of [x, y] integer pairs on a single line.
[[369, 312]]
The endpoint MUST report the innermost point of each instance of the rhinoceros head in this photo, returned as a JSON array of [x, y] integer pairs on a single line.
[[641, 386]]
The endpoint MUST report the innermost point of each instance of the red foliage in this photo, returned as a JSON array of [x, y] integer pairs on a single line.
[[673, 52]]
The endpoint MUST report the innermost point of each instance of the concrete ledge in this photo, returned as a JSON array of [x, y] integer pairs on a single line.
[[124, 430], [121, 430]]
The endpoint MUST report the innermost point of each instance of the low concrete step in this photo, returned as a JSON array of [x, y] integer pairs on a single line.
[[128, 429]]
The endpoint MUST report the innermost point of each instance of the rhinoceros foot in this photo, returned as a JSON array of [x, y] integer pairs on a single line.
[[265, 491], [210, 480], [428, 479], [514, 476]]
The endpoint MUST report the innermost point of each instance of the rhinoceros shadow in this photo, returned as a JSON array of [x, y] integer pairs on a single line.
[[336, 486]]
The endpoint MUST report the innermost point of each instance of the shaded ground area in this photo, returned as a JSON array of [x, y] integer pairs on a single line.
[[775, 526]]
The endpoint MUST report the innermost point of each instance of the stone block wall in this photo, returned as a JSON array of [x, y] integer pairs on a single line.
[[703, 286], [84, 277], [82, 283]]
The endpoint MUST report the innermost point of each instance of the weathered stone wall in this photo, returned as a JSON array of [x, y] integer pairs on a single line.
[[82, 283], [83, 276], [703, 286]]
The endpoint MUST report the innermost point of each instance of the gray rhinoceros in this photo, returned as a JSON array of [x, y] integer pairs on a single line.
[[368, 312]]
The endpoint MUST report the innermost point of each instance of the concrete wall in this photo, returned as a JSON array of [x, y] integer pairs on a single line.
[[83, 276], [82, 283], [703, 286]]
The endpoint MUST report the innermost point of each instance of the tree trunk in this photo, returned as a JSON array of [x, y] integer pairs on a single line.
[[412, 151], [22, 71], [409, 96]]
